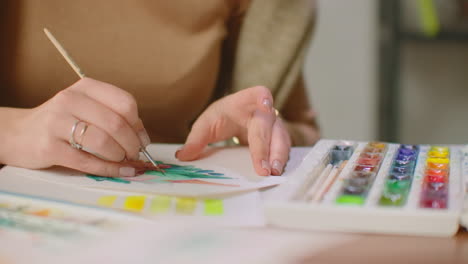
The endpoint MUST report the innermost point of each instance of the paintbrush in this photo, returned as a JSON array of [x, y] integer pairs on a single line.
[[78, 71]]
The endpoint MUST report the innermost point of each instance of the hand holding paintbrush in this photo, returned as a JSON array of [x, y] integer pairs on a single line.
[[104, 123]]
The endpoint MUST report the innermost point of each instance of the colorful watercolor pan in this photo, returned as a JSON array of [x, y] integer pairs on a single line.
[[375, 187]]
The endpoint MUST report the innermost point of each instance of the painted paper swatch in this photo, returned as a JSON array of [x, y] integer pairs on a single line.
[[135, 203], [107, 200], [214, 207], [186, 205], [160, 204]]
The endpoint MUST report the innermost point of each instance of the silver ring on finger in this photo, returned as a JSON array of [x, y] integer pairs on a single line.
[[72, 141]]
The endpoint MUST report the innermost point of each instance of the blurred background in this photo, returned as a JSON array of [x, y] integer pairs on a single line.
[[392, 70]]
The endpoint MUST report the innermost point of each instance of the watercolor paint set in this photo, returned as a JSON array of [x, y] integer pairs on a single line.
[[375, 187]]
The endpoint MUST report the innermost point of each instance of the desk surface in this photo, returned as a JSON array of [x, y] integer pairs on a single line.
[[363, 248], [395, 249]]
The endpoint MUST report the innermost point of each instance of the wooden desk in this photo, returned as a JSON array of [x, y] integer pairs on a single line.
[[395, 249]]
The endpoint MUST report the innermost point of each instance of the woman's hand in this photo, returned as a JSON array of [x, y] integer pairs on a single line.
[[249, 116], [114, 131]]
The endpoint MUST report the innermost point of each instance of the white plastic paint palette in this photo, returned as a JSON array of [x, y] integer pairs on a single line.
[[374, 187]]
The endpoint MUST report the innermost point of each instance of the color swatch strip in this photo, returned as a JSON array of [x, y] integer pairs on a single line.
[[161, 204]]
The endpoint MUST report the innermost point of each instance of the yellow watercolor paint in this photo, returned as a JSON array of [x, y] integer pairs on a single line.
[[214, 207], [438, 160], [107, 201], [134, 203], [436, 154], [378, 145], [439, 149], [186, 205], [160, 204]]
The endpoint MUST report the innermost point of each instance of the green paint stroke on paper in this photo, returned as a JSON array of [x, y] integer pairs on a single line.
[[172, 172], [112, 179]]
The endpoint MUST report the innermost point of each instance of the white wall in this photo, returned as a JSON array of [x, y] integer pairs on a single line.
[[434, 81], [341, 72]]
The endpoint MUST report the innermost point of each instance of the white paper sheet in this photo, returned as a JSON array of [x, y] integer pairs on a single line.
[[240, 210]]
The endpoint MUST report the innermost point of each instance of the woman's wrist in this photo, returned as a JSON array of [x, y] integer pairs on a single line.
[[9, 132]]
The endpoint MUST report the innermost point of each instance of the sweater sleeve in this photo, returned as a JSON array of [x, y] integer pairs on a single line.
[[271, 46], [300, 117]]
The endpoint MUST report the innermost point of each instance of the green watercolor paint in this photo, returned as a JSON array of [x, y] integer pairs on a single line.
[[112, 179], [392, 200], [172, 174], [398, 186], [350, 199]]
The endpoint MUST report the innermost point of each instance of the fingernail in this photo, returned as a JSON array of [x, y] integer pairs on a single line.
[[127, 172], [178, 151], [266, 166], [267, 103], [277, 168], [144, 138]]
